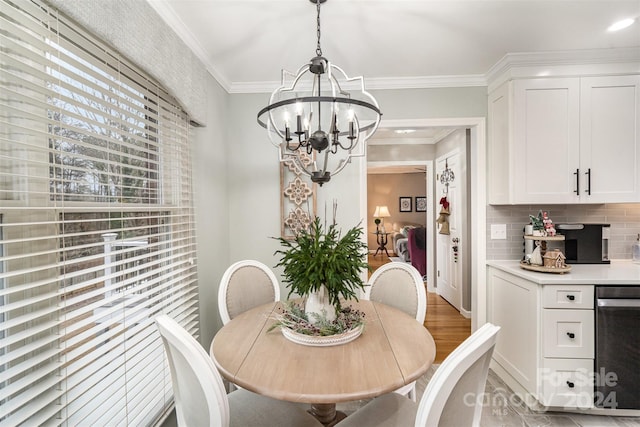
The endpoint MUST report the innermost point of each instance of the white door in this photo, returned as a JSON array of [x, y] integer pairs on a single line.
[[448, 253]]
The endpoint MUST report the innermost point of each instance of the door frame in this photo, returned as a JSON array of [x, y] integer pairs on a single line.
[[428, 164], [478, 208]]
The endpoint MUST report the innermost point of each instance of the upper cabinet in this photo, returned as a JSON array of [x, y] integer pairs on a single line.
[[565, 140]]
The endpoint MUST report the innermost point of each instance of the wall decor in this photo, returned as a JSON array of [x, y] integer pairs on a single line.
[[405, 204], [421, 204], [297, 199]]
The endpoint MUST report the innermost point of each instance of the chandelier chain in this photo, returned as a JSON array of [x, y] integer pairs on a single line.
[[318, 48]]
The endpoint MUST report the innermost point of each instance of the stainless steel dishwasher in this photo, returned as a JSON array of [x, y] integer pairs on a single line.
[[617, 361]]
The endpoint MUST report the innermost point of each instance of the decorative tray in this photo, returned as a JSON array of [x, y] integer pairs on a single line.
[[322, 341], [543, 269]]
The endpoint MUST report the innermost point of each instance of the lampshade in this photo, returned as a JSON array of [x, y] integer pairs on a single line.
[[381, 212]]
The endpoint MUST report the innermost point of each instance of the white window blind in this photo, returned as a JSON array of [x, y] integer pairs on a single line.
[[96, 227]]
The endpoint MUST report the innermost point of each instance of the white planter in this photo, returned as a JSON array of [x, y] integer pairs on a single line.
[[318, 302]]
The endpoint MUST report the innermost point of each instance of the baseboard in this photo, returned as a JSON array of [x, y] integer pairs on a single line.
[[465, 313]]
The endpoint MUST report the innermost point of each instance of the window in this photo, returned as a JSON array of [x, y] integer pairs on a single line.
[[96, 227]]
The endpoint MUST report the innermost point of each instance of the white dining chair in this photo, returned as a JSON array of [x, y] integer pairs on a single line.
[[199, 394], [244, 285], [399, 285], [452, 398]]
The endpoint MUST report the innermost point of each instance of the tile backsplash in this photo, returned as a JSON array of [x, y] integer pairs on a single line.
[[624, 220]]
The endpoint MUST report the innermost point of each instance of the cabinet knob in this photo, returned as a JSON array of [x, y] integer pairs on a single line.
[[570, 384], [571, 335], [571, 297]]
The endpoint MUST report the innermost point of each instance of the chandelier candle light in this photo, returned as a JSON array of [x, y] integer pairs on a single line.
[[316, 95]]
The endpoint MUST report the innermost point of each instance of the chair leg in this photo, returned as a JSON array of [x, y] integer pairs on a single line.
[[412, 393]]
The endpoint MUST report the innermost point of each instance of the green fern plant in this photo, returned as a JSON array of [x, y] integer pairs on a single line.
[[320, 256]]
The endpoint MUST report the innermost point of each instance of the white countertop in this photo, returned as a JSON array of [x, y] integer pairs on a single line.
[[622, 272]]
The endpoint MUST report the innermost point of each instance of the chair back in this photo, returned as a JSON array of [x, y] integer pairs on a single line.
[[399, 285], [246, 284], [454, 395], [199, 393]]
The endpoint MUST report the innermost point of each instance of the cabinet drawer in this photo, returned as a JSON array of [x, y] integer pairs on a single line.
[[568, 333], [567, 383], [567, 296]]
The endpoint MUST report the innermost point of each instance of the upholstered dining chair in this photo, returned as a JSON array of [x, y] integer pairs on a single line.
[[244, 285], [399, 285], [199, 393], [452, 398]]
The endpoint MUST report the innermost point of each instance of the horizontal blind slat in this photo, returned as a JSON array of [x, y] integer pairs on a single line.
[[90, 146]]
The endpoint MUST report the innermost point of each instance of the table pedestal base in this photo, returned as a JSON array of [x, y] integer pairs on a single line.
[[326, 413]]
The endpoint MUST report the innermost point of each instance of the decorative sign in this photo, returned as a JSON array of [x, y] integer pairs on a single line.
[[297, 197]]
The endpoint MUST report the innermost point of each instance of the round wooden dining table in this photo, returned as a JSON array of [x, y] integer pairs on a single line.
[[393, 350]]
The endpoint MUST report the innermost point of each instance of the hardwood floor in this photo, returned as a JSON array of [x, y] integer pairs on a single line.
[[447, 326]]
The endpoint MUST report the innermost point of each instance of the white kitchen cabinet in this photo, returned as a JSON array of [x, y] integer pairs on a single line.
[[546, 140], [546, 347], [609, 132], [565, 140]]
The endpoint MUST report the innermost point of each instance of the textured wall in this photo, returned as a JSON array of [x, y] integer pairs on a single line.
[[624, 220], [137, 32]]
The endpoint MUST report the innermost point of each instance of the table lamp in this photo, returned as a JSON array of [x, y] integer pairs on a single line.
[[381, 212]]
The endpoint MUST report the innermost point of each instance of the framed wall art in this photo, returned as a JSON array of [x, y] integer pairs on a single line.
[[421, 204], [405, 204]]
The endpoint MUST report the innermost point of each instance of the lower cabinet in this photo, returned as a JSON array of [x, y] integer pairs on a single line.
[[546, 344]]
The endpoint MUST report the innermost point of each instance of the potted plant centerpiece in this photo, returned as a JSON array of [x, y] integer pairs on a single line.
[[323, 267]]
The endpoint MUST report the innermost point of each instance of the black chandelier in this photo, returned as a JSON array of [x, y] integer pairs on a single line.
[[312, 115]]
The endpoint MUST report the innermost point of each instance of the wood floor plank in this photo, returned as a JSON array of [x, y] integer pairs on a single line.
[[447, 326]]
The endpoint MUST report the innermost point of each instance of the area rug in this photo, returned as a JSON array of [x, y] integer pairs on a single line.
[[395, 259]]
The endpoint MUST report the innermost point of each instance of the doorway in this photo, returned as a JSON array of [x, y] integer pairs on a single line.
[[477, 220]]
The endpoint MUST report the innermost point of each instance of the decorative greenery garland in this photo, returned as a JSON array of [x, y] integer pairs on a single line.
[[293, 317]]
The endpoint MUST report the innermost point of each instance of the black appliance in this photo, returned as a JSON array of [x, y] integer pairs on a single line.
[[585, 243], [617, 355]]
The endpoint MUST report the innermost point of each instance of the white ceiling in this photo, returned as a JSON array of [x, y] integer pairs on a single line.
[[245, 43], [393, 43]]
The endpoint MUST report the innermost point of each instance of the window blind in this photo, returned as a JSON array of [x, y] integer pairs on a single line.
[[96, 227]]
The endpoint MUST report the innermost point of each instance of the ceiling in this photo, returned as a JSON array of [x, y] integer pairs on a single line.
[[393, 43], [246, 43]]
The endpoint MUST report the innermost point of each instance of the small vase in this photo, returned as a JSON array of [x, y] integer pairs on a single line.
[[318, 302]]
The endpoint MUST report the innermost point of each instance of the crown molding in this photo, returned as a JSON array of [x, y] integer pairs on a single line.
[[563, 63], [170, 17], [425, 82]]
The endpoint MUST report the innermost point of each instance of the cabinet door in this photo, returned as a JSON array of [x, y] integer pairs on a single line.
[[546, 140], [609, 149], [513, 305], [499, 163]]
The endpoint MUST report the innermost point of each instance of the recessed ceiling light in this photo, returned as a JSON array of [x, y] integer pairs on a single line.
[[404, 130], [621, 24]]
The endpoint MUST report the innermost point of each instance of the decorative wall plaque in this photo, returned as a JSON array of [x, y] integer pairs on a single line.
[[297, 198]]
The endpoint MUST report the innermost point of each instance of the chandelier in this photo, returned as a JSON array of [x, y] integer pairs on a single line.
[[316, 124]]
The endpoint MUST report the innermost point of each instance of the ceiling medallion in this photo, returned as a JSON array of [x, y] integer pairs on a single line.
[[313, 114]]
